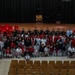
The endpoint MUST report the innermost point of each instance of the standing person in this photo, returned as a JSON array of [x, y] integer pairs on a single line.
[[63, 38], [36, 31], [27, 42], [38, 40], [47, 31], [60, 43], [22, 42], [29, 31], [43, 41], [33, 41], [22, 31], [54, 38], [58, 32], [53, 31], [41, 31], [73, 42], [7, 43], [63, 32], [69, 32]]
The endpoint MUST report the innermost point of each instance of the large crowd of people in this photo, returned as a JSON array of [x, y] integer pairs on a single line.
[[37, 43]]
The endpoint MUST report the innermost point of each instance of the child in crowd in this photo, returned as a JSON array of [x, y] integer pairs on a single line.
[[27, 57]]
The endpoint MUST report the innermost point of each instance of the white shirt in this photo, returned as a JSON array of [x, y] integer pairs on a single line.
[[43, 41], [19, 50], [27, 57], [69, 32], [1, 44], [63, 39], [0, 53], [36, 48], [38, 40], [71, 49], [53, 38], [46, 50]]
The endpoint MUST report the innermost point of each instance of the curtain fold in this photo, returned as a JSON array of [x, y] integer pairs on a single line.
[[25, 11], [50, 10], [66, 12], [15, 11]]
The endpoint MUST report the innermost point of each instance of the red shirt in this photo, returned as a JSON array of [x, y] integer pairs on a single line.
[[8, 51], [73, 42], [12, 44], [30, 49]]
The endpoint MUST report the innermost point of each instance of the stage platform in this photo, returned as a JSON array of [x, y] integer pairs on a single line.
[[31, 26]]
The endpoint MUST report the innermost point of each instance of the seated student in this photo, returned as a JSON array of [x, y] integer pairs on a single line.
[[36, 50], [46, 50], [0, 53], [63, 50], [8, 52], [18, 52], [54, 49], [41, 50], [71, 51], [30, 50], [13, 52]]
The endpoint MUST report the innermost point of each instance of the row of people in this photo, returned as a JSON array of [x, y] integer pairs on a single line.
[[48, 31], [37, 51], [48, 44]]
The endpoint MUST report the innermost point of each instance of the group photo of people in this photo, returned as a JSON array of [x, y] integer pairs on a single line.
[[37, 43]]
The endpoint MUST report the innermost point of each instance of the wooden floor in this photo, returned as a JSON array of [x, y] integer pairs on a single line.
[[26, 26]]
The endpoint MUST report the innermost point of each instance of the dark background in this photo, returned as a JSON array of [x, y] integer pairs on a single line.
[[25, 11]]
